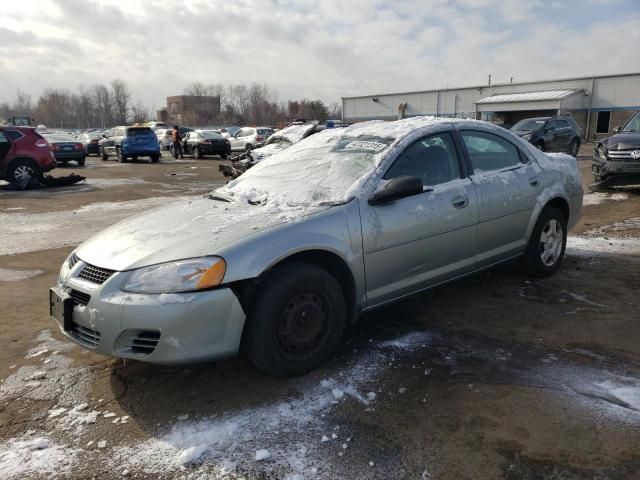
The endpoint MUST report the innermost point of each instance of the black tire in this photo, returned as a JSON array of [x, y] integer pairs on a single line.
[[297, 320], [536, 250], [540, 146], [20, 169], [224, 156], [81, 162], [103, 155], [155, 157], [248, 147], [120, 156], [197, 153], [64, 162], [574, 147]]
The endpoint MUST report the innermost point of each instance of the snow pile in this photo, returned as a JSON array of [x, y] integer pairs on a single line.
[[287, 433], [23, 458], [596, 198]]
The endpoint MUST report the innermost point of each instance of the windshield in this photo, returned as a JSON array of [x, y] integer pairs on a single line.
[[633, 125], [528, 124], [325, 168], [139, 132]]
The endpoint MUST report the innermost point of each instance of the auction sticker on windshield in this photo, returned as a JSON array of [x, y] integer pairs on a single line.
[[368, 144]]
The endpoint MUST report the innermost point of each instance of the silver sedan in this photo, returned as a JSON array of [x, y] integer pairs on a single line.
[[279, 261]]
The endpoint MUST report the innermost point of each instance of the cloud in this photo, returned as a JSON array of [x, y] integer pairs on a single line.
[[306, 48]]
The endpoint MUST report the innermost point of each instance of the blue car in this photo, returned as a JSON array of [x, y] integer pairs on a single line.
[[129, 143]]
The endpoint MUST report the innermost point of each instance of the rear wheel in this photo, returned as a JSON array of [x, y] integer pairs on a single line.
[[103, 154], [21, 171], [224, 156], [120, 155], [297, 320], [574, 147], [196, 152], [248, 147], [547, 244], [81, 162], [155, 157]]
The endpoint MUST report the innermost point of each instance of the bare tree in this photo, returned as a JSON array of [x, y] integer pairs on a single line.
[[197, 89], [139, 113], [121, 98]]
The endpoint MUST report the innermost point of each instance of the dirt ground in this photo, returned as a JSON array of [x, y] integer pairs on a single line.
[[498, 376]]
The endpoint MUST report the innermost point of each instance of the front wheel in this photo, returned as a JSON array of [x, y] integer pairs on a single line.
[[547, 244], [297, 320], [197, 153], [103, 154], [120, 155], [574, 147]]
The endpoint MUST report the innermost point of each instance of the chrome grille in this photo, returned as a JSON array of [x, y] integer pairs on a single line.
[[622, 154], [95, 274], [86, 336], [73, 259], [80, 298]]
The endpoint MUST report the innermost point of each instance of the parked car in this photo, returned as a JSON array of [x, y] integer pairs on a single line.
[[183, 131], [130, 142], [248, 138], [90, 142], [66, 148], [164, 138], [204, 143], [616, 159], [550, 134], [24, 153], [279, 261]]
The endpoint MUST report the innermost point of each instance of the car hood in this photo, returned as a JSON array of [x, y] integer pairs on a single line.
[[623, 141], [183, 229]]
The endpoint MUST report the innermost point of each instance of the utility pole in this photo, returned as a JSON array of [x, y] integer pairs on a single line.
[[489, 79]]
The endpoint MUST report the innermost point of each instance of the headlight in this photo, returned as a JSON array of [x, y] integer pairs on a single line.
[[180, 276], [527, 136], [65, 270]]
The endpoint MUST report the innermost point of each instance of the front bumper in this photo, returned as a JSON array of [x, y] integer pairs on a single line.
[[601, 167], [169, 330]]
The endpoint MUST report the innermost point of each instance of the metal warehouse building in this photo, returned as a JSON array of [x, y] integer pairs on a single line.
[[598, 104]]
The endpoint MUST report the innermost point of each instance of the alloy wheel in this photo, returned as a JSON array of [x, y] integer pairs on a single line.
[[551, 240]]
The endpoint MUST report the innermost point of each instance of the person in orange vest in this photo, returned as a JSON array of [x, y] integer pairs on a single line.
[[177, 142]]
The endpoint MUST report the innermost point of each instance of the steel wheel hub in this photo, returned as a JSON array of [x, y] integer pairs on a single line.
[[23, 172], [551, 242], [302, 324]]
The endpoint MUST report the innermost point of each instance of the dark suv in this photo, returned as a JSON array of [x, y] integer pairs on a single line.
[[616, 159], [24, 154], [550, 134], [129, 142]]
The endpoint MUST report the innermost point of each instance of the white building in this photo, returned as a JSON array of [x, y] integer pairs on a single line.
[[598, 104]]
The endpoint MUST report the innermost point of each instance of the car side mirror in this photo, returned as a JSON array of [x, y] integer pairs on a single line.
[[617, 129], [397, 188]]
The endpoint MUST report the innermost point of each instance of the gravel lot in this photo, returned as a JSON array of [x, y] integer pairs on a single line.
[[495, 376]]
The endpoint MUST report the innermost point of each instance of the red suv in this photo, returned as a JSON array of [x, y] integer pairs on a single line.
[[23, 153]]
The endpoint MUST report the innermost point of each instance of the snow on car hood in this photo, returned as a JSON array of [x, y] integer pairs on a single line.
[[183, 229]]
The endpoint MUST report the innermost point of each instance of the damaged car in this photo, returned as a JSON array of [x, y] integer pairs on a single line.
[[275, 143], [616, 159], [281, 260]]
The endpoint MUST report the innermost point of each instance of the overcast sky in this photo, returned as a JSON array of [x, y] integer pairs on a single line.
[[322, 49]]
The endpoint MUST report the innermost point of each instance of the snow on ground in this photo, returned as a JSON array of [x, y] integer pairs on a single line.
[[29, 232], [594, 245], [20, 458], [287, 437], [626, 228], [7, 275], [596, 198]]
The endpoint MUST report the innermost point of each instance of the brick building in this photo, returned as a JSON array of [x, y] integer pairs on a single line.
[[598, 104], [190, 110]]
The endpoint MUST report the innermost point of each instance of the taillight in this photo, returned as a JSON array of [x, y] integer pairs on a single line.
[[259, 139], [55, 148], [42, 143], [94, 141], [79, 146]]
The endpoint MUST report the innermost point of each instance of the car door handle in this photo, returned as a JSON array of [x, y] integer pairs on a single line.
[[460, 202], [534, 181]]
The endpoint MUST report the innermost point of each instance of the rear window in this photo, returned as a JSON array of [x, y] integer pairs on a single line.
[[264, 131], [211, 135], [13, 134], [139, 132]]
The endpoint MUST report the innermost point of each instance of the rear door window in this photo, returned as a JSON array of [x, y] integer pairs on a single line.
[[489, 152], [14, 134]]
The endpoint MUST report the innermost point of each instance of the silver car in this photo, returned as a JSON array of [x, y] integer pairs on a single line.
[[279, 261], [248, 138]]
